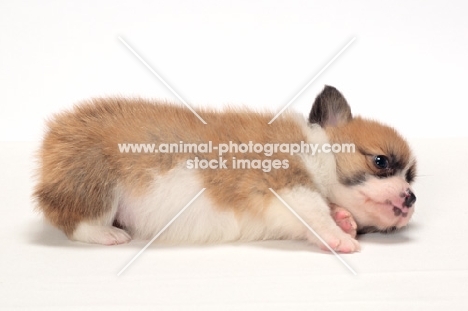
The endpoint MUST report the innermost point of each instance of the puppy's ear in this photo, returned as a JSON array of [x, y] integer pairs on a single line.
[[330, 108]]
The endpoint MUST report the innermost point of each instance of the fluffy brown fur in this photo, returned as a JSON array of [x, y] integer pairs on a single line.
[[81, 164]]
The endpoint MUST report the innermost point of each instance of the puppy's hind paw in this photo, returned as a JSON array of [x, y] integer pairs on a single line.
[[106, 235]]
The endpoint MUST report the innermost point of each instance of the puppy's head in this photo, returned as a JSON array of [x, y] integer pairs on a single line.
[[374, 181]]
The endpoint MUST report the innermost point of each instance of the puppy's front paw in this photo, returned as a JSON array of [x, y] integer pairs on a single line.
[[344, 220], [341, 243]]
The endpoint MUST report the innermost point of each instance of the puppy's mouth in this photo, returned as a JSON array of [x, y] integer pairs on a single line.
[[399, 211], [401, 214]]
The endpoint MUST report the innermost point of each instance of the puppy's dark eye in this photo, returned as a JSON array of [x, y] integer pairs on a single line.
[[381, 161]]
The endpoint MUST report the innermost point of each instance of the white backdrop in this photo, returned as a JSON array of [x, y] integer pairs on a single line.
[[407, 67]]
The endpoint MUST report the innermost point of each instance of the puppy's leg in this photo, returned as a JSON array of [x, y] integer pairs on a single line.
[[101, 230], [86, 218], [314, 210], [344, 219]]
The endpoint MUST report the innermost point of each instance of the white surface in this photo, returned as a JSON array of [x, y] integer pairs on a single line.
[[407, 67], [421, 268], [409, 57]]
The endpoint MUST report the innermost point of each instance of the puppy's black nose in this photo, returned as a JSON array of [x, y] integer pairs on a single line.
[[409, 199]]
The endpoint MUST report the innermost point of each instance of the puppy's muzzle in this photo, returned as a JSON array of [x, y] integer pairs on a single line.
[[410, 198]]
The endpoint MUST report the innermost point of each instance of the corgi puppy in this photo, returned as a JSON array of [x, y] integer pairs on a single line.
[[97, 189]]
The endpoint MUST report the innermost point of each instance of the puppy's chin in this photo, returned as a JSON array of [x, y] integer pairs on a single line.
[[372, 229], [377, 204]]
